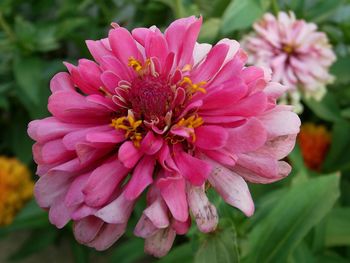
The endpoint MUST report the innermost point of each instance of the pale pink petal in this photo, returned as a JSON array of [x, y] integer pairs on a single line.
[[160, 243], [232, 188], [203, 211], [86, 230]]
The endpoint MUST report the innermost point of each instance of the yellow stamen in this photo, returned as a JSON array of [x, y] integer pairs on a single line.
[[130, 126], [135, 64], [193, 87], [138, 67], [191, 123]]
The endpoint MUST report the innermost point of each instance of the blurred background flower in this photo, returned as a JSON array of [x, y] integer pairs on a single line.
[[314, 142], [298, 54], [16, 188]]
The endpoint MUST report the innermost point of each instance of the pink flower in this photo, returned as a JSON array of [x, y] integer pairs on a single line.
[[298, 54], [163, 114]]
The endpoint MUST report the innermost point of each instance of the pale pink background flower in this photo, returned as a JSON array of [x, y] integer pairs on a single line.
[[298, 54], [162, 114]]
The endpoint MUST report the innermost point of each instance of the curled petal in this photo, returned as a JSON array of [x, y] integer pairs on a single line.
[[203, 211], [160, 243]]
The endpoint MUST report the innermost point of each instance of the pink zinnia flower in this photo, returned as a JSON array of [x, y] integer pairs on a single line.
[[163, 114], [298, 54]]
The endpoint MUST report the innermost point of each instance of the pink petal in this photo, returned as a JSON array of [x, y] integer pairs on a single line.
[[211, 137], [85, 230], [103, 181], [247, 137], [51, 152], [156, 46], [264, 166], [123, 45], [211, 65], [118, 211], [128, 154], [109, 137], [72, 107], [173, 192], [110, 80], [181, 228], [279, 123], [145, 228], [75, 194], [283, 170], [59, 213], [71, 140], [50, 128], [114, 65], [157, 212], [61, 81], [278, 147], [165, 159], [151, 144], [140, 178], [107, 236], [193, 169], [98, 49], [90, 72]]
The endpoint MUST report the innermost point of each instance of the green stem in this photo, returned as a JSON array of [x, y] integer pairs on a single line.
[[7, 29], [179, 12]]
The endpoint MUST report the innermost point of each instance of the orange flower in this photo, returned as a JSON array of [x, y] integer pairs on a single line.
[[16, 187], [314, 141]]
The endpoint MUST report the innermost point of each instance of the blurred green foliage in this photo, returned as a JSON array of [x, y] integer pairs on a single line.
[[305, 218]]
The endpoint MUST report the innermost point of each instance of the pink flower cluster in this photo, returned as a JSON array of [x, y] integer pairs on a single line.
[[162, 114], [298, 54]]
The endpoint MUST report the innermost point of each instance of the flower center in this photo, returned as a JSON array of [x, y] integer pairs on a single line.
[[289, 49], [155, 101], [150, 98]]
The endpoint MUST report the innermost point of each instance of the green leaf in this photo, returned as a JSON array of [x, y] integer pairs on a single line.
[[33, 94], [340, 70], [300, 209], [27, 72], [322, 10], [219, 247], [210, 30], [25, 33], [338, 156], [182, 253], [241, 14], [331, 258], [30, 217], [20, 143], [80, 252], [326, 109], [133, 248], [302, 254], [338, 227], [37, 241]]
